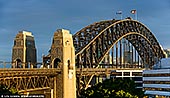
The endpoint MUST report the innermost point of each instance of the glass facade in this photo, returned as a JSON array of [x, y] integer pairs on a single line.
[[156, 82]]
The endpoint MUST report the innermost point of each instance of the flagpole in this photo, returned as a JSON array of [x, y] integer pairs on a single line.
[[136, 16], [135, 13], [120, 14]]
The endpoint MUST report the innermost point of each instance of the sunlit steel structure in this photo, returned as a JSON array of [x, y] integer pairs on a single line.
[[93, 42], [115, 40]]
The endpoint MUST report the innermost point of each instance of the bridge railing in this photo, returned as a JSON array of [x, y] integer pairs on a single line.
[[15, 72], [96, 71]]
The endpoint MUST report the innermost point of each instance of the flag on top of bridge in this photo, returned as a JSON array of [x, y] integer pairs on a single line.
[[133, 11], [119, 12]]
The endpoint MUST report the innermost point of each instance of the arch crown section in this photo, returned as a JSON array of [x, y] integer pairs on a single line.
[[104, 38]]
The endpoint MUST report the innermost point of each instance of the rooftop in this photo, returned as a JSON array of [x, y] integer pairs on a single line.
[[163, 64], [27, 33]]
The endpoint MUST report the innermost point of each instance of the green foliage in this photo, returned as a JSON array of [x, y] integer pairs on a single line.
[[13, 90], [118, 88], [5, 90], [123, 94]]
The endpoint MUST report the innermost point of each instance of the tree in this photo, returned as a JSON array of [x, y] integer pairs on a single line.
[[117, 88], [5, 90]]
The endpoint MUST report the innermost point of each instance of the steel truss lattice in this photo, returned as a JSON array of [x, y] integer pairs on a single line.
[[93, 42], [28, 79]]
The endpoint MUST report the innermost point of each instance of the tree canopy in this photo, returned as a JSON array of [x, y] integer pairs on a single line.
[[117, 88], [5, 90]]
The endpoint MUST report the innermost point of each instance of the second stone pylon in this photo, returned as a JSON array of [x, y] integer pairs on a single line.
[[63, 52]]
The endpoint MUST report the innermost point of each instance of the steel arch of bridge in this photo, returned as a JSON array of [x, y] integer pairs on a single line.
[[93, 42]]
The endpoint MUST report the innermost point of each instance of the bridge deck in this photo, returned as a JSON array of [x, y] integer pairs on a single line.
[[15, 72], [97, 71]]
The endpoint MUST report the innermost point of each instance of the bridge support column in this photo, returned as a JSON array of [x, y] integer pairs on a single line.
[[64, 49], [54, 90]]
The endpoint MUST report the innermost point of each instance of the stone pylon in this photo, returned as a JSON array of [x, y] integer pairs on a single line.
[[24, 50], [63, 56]]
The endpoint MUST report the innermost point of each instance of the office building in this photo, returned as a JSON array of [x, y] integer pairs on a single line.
[[156, 82]]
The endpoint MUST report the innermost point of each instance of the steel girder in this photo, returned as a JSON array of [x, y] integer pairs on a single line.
[[93, 42], [28, 79], [27, 82]]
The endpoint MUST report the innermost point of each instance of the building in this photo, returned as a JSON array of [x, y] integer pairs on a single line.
[[128, 57], [24, 50], [156, 82], [135, 75], [167, 51]]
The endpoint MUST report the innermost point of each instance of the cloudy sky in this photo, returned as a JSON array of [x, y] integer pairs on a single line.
[[44, 17]]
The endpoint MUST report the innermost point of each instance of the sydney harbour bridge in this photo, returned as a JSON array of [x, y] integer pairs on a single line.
[[100, 48]]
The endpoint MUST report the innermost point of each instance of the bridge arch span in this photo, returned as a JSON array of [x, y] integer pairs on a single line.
[[93, 42], [136, 47]]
